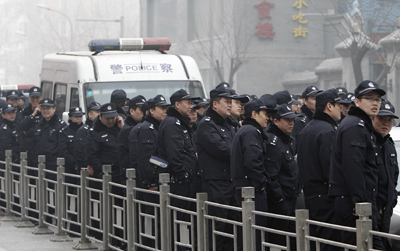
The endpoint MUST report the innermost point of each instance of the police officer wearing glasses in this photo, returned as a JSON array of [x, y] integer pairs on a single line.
[[354, 171]]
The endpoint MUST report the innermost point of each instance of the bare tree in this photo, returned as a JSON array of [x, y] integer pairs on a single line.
[[358, 37]]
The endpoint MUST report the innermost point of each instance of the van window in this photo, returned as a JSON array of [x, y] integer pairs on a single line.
[[101, 91], [60, 94], [74, 102], [46, 89]]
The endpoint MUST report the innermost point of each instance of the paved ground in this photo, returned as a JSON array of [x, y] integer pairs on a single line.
[[22, 239]]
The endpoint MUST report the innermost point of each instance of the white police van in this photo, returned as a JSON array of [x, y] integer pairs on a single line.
[[136, 65]]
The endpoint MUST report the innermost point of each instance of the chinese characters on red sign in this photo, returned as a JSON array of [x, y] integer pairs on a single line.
[[264, 30], [300, 18]]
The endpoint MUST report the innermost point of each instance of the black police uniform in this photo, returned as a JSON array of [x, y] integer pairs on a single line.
[[305, 116], [353, 175], [27, 127], [10, 138], [67, 146], [214, 140], [248, 167], [386, 198], [146, 142], [123, 144], [102, 149], [313, 158], [46, 141], [80, 145], [284, 183]]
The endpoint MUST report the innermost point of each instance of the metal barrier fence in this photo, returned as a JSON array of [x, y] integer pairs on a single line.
[[125, 217]]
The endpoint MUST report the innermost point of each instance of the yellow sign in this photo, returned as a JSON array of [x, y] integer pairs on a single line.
[[300, 32], [299, 4], [300, 18]]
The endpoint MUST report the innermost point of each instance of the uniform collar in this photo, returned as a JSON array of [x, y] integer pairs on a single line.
[[306, 111], [152, 120], [325, 117], [215, 116], [253, 122], [130, 121], [172, 112], [355, 111], [278, 132]]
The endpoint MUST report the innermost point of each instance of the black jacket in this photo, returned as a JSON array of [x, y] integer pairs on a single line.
[[305, 116], [248, 156], [123, 143], [67, 146], [176, 145], [146, 135], [27, 125], [80, 144], [281, 165], [388, 173], [354, 171], [10, 138], [314, 153], [102, 149], [122, 113], [213, 143], [46, 140]]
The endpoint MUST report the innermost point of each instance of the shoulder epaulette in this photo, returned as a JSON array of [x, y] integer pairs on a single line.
[[207, 119], [273, 142], [91, 129], [361, 123], [178, 122], [151, 126]]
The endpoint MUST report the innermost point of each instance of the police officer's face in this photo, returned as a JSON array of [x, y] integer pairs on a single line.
[[346, 108], [21, 103], [285, 125], [76, 119], [136, 114], [236, 108], [14, 102], [34, 100], [335, 111], [201, 110], [9, 115], [47, 112], [193, 116], [223, 107], [93, 114], [260, 117], [296, 108], [310, 102], [383, 124], [184, 107], [369, 103], [159, 112], [109, 122]]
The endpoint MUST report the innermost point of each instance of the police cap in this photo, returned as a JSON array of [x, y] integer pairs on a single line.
[[309, 91], [284, 111], [8, 108], [47, 102], [328, 96], [158, 100], [94, 106], [12, 94], [254, 105], [367, 86], [180, 95], [109, 110], [35, 91], [387, 109], [118, 96], [347, 98], [137, 101], [75, 112], [283, 97]]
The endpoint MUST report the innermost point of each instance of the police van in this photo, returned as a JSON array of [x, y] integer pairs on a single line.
[[136, 65]]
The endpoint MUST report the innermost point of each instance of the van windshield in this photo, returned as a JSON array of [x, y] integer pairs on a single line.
[[101, 91]]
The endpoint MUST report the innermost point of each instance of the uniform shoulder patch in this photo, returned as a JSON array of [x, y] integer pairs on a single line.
[[5, 127], [207, 119], [91, 129], [304, 119], [86, 127], [273, 141], [178, 122], [361, 123], [151, 126]]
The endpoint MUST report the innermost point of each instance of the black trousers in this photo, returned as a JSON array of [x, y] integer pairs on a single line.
[[322, 208], [345, 215], [221, 191], [286, 207]]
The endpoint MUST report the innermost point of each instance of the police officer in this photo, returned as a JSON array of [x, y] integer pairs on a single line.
[[12, 97], [213, 141], [341, 91], [201, 106], [346, 102], [315, 148], [386, 198], [30, 117], [307, 110], [175, 145], [118, 97], [295, 104], [67, 139], [46, 137], [102, 142], [354, 173], [248, 158], [135, 116], [236, 110], [93, 110], [282, 171], [10, 136], [67, 151]]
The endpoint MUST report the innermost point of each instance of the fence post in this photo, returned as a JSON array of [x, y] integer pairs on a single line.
[[8, 186], [248, 205], [41, 189], [60, 235], [130, 219], [302, 230], [364, 225], [106, 207], [84, 243], [202, 237], [24, 222], [164, 214]]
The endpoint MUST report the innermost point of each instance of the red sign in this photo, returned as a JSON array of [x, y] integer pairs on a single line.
[[263, 9], [264, 30]]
